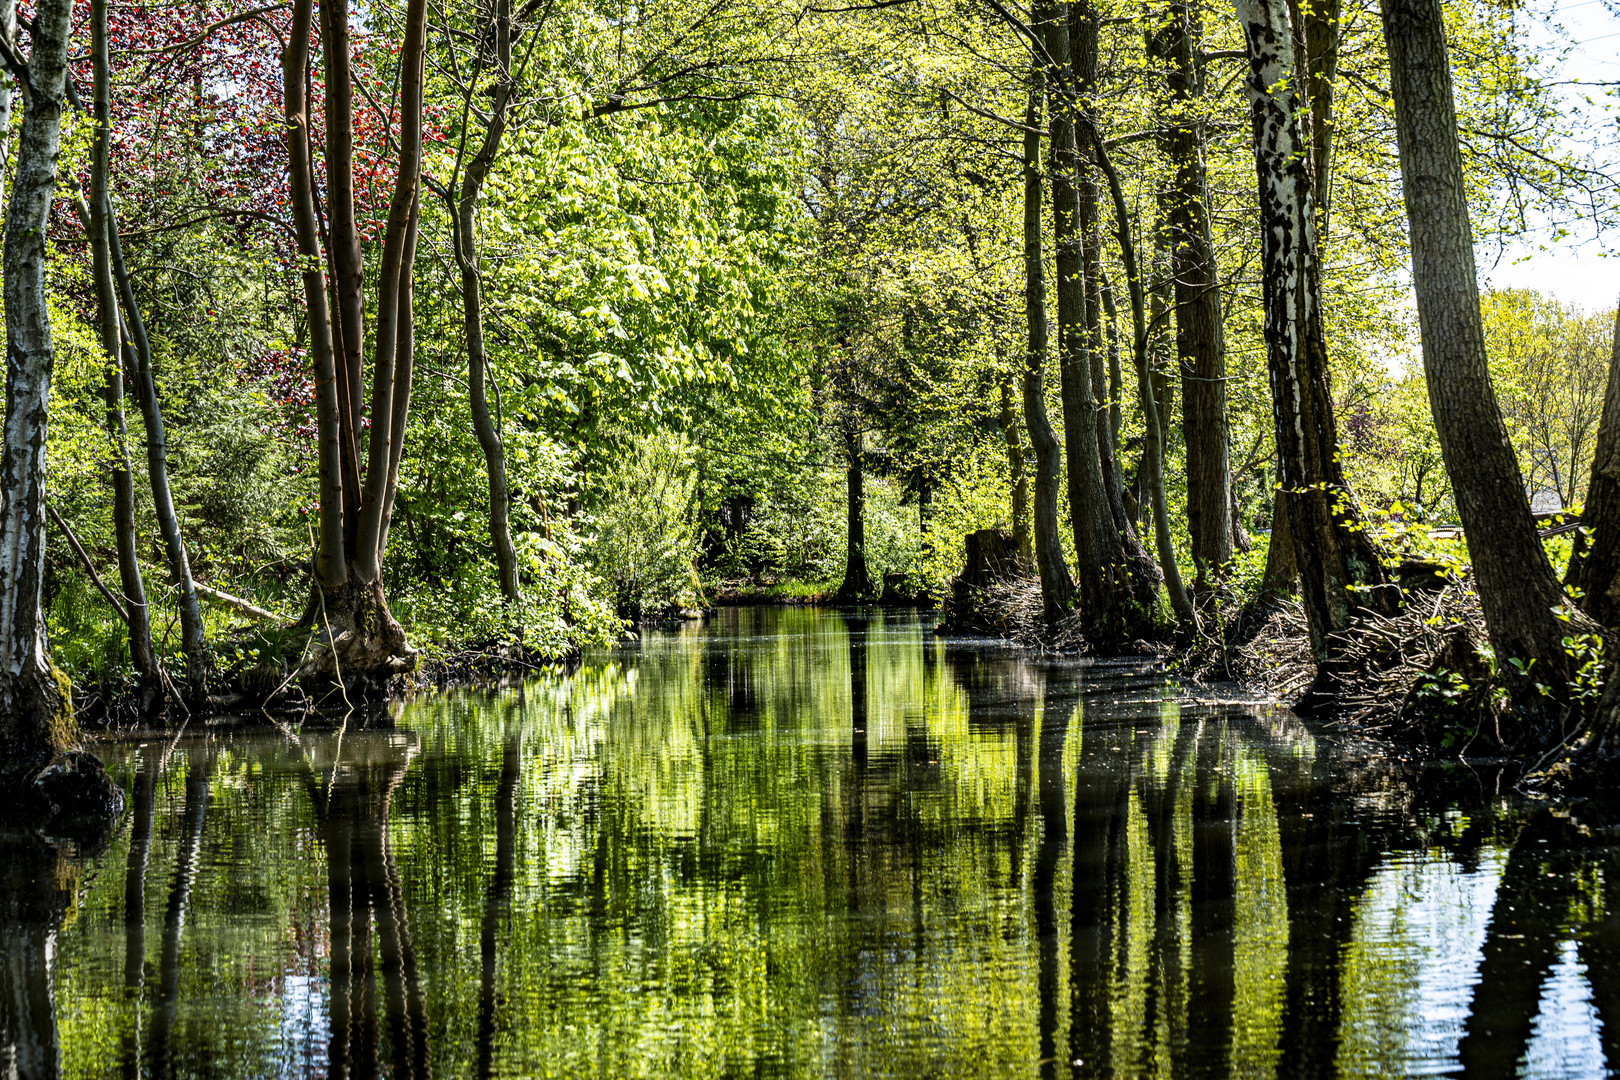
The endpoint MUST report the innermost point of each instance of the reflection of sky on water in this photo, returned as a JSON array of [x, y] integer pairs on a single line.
[[1420, 930], [1419, 937], [1566, 1043], [304, 1026]]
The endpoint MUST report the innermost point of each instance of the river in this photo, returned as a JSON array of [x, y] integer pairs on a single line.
[[794, 842]]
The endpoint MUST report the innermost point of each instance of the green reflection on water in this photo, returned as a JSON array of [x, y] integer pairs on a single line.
[[787, 843]]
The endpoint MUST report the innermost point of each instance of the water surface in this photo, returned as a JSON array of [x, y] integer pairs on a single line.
[[793, 842]]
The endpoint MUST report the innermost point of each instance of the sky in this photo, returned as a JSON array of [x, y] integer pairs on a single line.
[[1583, 36]]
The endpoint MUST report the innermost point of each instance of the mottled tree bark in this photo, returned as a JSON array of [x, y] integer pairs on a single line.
[[1595, 566], [1338, 565], [1518, 591], [36, 713], [1057, 589]]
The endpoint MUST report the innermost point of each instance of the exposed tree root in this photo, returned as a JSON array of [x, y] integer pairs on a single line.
[[358, 646]]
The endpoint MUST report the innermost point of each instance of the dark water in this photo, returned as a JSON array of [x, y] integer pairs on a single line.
[[797, 843]]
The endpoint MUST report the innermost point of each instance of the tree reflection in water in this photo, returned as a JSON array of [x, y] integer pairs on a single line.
[[353, 793], [806, 843], [37, 883]]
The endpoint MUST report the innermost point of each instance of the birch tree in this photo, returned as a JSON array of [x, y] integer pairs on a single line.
[[1339, 567]]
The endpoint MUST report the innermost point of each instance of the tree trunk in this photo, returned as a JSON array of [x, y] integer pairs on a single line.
[[1057, 590], [857, 584], [390, 366], [1153, 454], [36, 711], [142, 656], [1015, 470], [1338, 564], [343, 255], [138, 357], [478, 375], [404, 370], [1595, 566], [365, 646], [1100, 565], [1518, 591], [1281, 570], [1142, 573], [1316, 47], [1200, 340], [331, 567]]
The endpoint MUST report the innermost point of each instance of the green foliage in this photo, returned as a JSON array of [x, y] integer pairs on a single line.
[[644, 537]]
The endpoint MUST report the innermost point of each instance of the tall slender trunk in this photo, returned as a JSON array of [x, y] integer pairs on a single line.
[[1057, 589], [36, 714], [404, 370], [478, 374], [857, 584], [1339, 566], [390, 367], [138, 358], [1595, 566], [331, 567], [138, 619], [1200, 339], [1316, 48], [1153, 453], [1142, 573], [364, 644], [1518, 591], [1015, 470], [1100, 568], [345, 267]]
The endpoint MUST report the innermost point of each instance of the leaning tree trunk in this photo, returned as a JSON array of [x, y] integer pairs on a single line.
[[138, 357], [36, 711], [1153, 452], [857, 584], [1200, 340], [1595, 567], [1339, 567], [1281, 570], [101, 225], [1518, 591], [1057, 590]]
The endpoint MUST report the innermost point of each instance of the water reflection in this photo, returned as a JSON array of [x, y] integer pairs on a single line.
[[801, 843]]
